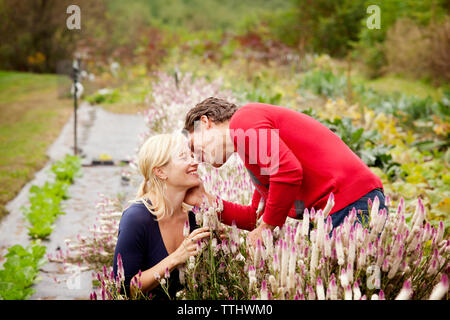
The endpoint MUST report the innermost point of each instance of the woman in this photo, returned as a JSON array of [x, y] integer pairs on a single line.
[[151, 239]]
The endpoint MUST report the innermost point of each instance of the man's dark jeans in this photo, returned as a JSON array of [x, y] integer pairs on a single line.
[[362, 208]]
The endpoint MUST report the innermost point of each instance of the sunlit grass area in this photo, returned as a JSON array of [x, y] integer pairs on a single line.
[[32, 114]]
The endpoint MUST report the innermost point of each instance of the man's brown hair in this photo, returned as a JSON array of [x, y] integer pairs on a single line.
[[216, 109]]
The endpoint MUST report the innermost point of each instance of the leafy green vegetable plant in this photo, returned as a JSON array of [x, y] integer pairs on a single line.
[[20, 271]]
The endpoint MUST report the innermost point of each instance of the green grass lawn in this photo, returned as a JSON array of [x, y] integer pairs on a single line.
[[391, 84], [32, 114]]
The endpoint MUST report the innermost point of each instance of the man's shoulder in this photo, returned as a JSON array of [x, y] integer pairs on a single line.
[[248, 114]]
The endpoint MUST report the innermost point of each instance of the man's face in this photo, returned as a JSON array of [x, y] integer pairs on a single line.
[[207, 142]]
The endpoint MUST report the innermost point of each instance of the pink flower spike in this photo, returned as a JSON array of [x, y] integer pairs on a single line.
[[405, 292], [348, 293], [320, 290], [387, 202], [264, 293], [381, 295], [167, 273], [440, 232], [441, 289], [186, 228]]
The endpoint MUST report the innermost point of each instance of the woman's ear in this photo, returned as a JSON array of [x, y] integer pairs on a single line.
[[160, 173]]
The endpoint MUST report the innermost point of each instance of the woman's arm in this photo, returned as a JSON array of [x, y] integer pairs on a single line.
[[186, 249]]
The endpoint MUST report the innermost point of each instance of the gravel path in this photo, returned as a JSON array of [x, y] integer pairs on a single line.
[[100, 132]]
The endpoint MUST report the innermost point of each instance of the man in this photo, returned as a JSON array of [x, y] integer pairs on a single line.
[[295, 162]]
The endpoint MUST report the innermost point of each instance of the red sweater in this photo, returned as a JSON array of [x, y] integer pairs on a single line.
[[311, 161]]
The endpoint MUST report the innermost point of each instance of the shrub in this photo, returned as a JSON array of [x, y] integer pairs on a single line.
[[324, 83]]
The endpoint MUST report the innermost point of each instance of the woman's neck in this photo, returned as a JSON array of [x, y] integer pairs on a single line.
[[175, 197]]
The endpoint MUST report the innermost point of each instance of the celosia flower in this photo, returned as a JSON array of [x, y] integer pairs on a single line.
[[348, 293], [351, 249], [167, 273], [284, 263], [349, 272], [329, 205], [396, 263], [181, 272], [440, 232], [252, 276], [356, 291], [387, 201], [344, 278], [441, 289], [333, 289], [320, 290], [268, 241], [186, 228], [433, 267], [273, 283], [320, 229], [340, 250], [327, 246], [406, 291], [311, 294], [314, 260], [292, 264], [305, 223], [427, 233], [258, 250], [329, 225], [120, 271], [374, 209], [361, 259], [264, 292], [419, 215]]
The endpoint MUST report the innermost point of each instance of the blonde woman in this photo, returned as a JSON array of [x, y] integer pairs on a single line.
[[151, 239]]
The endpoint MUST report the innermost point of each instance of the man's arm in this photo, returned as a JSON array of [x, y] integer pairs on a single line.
[[275, 159], [284, 185], [245, 217]]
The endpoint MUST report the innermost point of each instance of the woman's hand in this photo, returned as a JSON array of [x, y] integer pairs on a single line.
[[189, 245]]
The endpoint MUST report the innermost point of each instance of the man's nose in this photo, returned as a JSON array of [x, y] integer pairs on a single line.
[[194, 159]]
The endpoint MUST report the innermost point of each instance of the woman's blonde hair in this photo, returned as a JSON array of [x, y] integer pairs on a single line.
[[157, 152]]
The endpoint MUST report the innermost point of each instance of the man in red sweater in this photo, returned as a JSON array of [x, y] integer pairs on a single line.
[[295, 162]]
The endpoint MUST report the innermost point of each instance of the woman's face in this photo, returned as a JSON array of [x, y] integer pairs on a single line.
[[181, 171]]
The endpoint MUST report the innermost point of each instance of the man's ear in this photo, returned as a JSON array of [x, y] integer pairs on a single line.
[[160, 173], [206, 121]]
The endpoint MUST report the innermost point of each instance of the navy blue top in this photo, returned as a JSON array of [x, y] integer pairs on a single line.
[[141, 246]]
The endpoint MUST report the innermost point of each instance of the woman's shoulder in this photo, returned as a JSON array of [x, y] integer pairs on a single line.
[[137, 212]]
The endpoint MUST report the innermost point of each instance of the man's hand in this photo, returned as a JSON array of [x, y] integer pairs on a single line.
[[252, 237], [196, 195]]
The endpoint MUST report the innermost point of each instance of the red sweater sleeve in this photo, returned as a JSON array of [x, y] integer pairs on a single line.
[[243, 216]]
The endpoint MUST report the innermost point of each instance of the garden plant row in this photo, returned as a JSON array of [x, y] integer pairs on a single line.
[[21, 268]]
